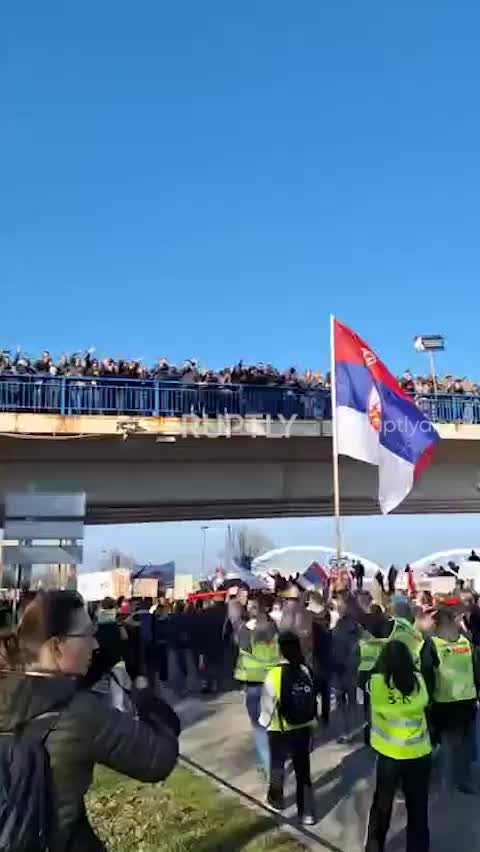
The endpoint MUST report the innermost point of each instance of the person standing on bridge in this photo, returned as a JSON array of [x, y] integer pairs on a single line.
[[399, 734]]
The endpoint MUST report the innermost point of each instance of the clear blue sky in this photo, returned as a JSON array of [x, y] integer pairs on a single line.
[[212, 179], [399, 538]]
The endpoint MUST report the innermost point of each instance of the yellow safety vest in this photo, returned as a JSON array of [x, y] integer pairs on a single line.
[[399, 728], [274, 680], [254, 665], [403, 631], [454, 677], [370, 650]]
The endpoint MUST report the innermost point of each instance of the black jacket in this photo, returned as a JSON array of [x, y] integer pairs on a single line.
[[87, 731], [322, 649]]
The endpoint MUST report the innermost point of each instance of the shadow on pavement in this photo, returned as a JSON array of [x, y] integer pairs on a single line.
[[344, 777], [331, 732], [454, 824]]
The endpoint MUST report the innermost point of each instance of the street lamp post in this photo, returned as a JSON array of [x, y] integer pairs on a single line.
[[430, 343], [204, 549]]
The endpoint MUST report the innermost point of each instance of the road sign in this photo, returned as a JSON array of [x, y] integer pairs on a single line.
[[45, 505], [41, 554], [32, 529]]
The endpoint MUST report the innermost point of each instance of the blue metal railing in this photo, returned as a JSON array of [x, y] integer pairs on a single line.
[[154, 398], [450, 408]]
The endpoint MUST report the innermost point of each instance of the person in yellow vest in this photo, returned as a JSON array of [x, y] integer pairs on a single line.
[[258, 652], [400, 628], [455, 689], [399, 734], [288, 712]]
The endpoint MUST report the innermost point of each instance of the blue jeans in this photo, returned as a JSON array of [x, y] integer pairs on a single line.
[[456, 757], [262, 748]]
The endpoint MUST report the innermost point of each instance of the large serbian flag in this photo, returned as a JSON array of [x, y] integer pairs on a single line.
[[376, 421]]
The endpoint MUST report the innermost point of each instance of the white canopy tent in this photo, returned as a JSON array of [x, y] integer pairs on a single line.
[[470, 571], [296, 560], [458, 555], [248, 578]]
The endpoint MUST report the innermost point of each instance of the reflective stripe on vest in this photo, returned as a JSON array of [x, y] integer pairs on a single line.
[[399, 727], [370, 650], [400, 723], [275, 679], [253, 666], [454, 677], [401, 741]]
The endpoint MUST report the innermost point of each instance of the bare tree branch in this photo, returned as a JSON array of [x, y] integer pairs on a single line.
[[247, 544]]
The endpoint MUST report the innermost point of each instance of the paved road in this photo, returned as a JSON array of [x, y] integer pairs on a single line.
[[217, 736]]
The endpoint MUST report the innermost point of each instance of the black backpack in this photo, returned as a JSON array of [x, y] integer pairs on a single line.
[[298, 699], [24, 785]]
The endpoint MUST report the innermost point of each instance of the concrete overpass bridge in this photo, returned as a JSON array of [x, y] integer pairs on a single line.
[[137, 469]]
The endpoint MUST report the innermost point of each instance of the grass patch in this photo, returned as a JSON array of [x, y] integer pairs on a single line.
[[186, 814]]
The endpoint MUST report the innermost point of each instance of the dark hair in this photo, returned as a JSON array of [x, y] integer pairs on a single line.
[[265, 629], [49, 614], [444, 615], [111, 649], [396, 665], [290, 648]]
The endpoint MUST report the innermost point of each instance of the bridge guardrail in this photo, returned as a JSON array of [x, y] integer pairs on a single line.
[[156, 398]]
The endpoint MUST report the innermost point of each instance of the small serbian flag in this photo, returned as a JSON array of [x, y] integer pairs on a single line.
[[376, 421], [315, 575]]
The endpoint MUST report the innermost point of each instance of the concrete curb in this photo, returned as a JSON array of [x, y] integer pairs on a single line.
[[303, 835]]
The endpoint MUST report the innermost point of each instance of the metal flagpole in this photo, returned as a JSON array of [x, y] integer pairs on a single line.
[[336, 481], [204, 550], [434, 375]]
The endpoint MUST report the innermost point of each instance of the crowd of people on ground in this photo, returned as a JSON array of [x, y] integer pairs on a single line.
[[191, 372], [415, 660], [87, 685]]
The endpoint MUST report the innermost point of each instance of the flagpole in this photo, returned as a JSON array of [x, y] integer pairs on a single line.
[[336, 480]]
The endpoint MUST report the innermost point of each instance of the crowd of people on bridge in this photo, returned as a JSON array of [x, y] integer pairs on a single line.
[[448, 384], [191, 372]]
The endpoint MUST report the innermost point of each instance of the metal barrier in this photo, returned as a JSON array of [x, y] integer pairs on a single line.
[[152, 398], [450, 408]]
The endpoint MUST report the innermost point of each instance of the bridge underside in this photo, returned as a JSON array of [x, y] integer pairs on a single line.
[[139, 480]]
